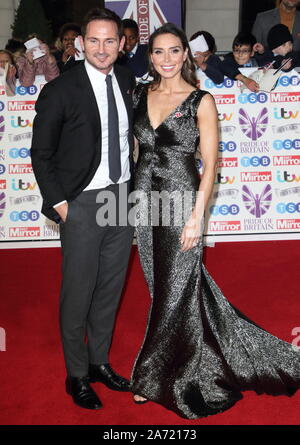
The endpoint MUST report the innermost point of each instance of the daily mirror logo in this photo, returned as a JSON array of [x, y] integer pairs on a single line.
[[285, 97], [25, 105], [224, 99], [24, 232], [288, 224], [225, 226], [20, 169], [286, 160]]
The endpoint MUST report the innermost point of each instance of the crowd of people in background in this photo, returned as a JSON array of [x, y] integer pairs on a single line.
[[275, 40]]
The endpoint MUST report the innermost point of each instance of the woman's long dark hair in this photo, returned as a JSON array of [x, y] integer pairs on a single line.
[[188, 67]]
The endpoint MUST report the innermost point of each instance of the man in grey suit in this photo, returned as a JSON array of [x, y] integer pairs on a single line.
[[287, 14], [82, 150]]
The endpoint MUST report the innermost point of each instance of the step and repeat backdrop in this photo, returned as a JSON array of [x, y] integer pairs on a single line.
[[20, 200], [257, 185]]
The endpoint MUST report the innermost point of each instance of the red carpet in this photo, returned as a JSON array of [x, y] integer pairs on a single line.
[[261, 279]]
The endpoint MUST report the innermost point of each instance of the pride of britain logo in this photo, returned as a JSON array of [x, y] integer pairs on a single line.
[[253, 127], [2, 204], [2, 127], [257, 204], [147, 13]]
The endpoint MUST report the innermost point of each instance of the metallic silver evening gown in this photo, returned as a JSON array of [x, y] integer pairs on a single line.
[[199, 352]]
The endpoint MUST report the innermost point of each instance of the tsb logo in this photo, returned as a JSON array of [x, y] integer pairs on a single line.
[[286, 144], [228, 83], [19, 153], [255, 161], [290, 207], [24, 215], [252, 98], [286, 81], [224, 210], [229, 146], [26, 90]]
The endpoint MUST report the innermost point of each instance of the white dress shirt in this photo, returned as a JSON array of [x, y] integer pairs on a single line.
[[101, 178], [134, 50]]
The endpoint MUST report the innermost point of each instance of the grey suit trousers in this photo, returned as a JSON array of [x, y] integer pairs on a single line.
[[95, 260]]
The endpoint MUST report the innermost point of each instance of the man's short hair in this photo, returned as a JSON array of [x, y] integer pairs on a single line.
[[102, 14], [244, 38], [129, 23]]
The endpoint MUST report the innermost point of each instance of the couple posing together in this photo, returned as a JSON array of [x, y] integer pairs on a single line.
[[199, 352]]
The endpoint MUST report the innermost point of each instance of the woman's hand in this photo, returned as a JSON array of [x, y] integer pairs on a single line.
[[192, 232], [200, 59], [29, 56], [11, 73], [288, 65], [44, 47]]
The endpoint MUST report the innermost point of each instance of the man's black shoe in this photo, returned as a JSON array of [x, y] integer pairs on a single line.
[[82, 393], [104, 374]]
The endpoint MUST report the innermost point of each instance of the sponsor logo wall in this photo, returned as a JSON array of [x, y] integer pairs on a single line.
[[257, 185], [20, 200]]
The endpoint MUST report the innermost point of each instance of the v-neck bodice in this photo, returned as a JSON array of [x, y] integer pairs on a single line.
[[177, 131], [176, 109]]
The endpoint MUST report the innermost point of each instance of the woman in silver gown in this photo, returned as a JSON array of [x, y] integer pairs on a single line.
[[199, 352]]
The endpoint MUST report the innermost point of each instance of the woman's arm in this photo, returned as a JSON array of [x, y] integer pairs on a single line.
[[209, 138], [26, 69], [51, 69], [209, 142]]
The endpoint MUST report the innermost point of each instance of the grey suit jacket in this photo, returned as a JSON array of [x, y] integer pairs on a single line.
[[266, 20]]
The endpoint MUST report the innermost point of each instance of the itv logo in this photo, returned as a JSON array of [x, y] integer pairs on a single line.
[[21, 185], [18, 121], [281, 113], [284, 176]]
